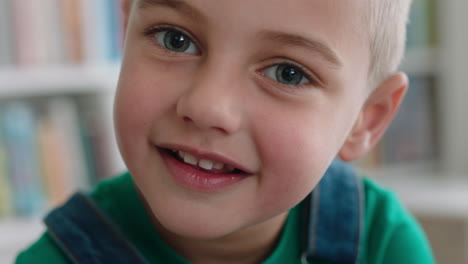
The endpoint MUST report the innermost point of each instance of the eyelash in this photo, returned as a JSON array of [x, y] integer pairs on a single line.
[[311, 78], [149, 33]]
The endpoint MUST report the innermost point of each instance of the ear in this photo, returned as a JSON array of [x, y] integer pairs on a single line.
[[126, 9], [377, 113]]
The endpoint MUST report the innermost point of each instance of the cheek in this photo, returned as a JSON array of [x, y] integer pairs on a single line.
[[295, 154], [141, 99]]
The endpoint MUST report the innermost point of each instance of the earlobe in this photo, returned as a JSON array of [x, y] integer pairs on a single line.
[[357, 142], [376, 115]]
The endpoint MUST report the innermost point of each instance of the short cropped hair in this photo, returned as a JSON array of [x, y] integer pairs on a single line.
[[387, 20]]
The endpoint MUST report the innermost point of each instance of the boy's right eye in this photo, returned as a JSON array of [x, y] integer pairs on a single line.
[[173, 40]]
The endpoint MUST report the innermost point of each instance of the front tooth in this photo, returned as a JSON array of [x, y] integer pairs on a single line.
[[190, 159], [218, 165], [206, 164], [181, 154]]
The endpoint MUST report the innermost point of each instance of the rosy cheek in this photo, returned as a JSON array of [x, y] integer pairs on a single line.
[[294, 154], [129, 110], [293, 157], [143, 95]]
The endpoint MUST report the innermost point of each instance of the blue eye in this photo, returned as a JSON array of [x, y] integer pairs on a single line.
[[175, 40], [286, 74]]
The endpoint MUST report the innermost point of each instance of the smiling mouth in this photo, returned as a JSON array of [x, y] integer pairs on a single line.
[[201, 164]]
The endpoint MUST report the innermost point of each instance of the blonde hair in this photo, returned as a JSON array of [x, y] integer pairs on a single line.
[[387, 20]]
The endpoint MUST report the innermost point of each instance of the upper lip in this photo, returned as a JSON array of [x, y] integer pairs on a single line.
[[209, 155]]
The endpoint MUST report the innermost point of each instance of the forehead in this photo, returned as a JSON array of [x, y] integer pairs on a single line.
[[333, 27], [308, 11]]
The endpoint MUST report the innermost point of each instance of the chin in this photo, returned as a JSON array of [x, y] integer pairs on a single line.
[[195, 229]]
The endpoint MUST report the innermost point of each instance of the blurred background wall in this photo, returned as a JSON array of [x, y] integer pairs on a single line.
[[59, 64]]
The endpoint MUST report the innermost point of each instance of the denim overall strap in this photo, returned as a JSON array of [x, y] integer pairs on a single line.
[[334, 217], [87, 236]]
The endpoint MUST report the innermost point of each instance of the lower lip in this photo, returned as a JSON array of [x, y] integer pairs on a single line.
[[189, 177]]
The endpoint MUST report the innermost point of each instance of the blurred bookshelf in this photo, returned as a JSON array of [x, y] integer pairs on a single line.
[[426, 139], [423, 156], [411, 142], [59, 65]]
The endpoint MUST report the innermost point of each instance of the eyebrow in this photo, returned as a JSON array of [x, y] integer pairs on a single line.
[[169, 3], [283, 38], [318, 46], [180, 5]]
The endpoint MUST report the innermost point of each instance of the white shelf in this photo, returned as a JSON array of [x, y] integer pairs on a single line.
[[424, 189], [16, 235], [58, 80], [432, 195]]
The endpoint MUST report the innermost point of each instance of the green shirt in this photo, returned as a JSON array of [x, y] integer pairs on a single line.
[[391, 234]]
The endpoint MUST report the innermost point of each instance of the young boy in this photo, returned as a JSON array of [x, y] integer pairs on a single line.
[[228, 113]]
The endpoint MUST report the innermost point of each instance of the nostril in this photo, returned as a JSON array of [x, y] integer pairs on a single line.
[[190, 120], [222, 130]]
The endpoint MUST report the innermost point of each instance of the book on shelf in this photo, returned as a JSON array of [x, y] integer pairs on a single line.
[[102, 30], [46, 153], [55, 164], [22, 23], [36, 33], [19, 131], [71, 16], [6, 34], [411, 136], [62, 152], [6, 201], [421, 27], [95, 139], [64, 113]]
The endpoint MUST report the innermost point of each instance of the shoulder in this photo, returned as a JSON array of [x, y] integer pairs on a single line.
[[391, 233], [382, 204], [44, 251], [108, 190], [384, 209]]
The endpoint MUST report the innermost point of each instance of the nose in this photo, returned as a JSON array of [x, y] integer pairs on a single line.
[[212, 101]]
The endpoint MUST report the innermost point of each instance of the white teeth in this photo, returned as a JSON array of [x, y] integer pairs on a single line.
[[190, 159], [181, 154], [203, 163], [218, 165], [206, 164]]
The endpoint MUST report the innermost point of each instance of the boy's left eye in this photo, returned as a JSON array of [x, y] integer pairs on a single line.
[[286, 74], [174, 40]]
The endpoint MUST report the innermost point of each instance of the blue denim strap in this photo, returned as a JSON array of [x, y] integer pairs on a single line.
[[87, 236], [334, 216]]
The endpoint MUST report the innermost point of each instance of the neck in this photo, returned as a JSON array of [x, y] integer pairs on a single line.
[[250, 245]]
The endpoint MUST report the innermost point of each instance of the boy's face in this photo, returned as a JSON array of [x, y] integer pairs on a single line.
[[272, 88]]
